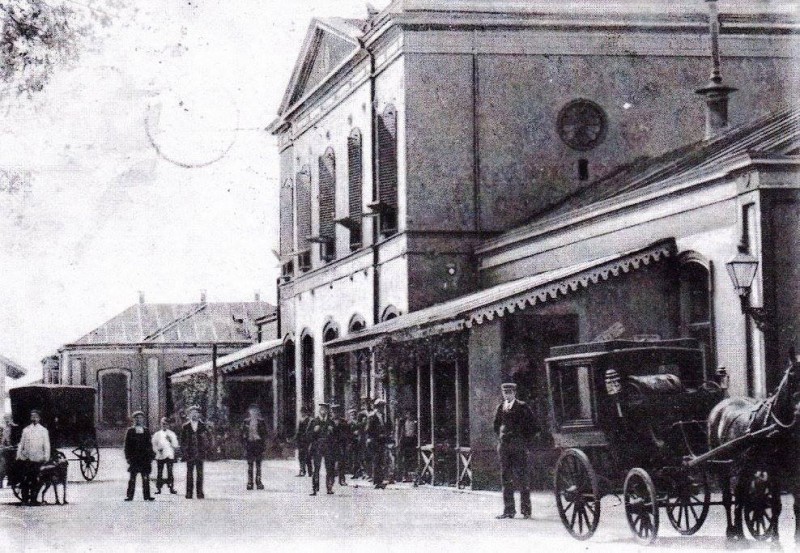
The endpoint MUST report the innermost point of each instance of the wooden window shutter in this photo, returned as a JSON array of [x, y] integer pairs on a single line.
[[387, 168], [287, 217], [303, 183], [355, 182]]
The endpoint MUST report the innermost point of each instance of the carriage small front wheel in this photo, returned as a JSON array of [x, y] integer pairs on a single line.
[[688, 501], [641, 505], [577, 494]]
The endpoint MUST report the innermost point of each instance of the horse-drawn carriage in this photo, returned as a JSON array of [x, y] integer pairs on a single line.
[[68, 414], [632, 419]]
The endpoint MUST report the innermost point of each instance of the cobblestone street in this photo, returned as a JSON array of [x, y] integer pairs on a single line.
[[284, 517]]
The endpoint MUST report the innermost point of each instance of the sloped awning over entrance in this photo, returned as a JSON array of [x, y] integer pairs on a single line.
[[235, 361], [487, 304]]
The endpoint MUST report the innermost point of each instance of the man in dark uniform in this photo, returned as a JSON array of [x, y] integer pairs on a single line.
[[376, 443], [254, 437], [321, 446], [352, 443], [195, 440], [364, 462], [341, 443], [139, 454], [514, 425], [301, 439]]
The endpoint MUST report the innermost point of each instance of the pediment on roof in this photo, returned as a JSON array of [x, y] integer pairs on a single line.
[[328, 43]]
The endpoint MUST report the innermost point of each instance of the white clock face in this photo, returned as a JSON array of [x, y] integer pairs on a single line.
[[192, 128]]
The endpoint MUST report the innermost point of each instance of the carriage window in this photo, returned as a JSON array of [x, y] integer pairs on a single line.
[[114, 398], [573, 396]]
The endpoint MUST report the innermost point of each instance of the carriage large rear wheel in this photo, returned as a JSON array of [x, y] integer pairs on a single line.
[[577, 494], [761, 501], [641, 505], [688, 501], [89, 459], [16, 488]]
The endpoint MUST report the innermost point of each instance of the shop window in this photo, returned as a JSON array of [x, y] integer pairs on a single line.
[[696, 308]]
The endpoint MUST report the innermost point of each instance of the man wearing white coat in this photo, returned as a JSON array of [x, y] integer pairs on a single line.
[[165, 443], [33, 451]]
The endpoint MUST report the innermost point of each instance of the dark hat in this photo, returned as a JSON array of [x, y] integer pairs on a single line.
[[323, 404], [136, 414], [508, 387]]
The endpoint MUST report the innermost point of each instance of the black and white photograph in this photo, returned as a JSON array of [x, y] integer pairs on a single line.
[[399, 275]]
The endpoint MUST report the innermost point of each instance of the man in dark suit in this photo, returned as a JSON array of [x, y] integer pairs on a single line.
[[514, 425], [342, 439], [139, 454], [301, 439], [254, 437], [375, 431], [195, 441], [321, 434]]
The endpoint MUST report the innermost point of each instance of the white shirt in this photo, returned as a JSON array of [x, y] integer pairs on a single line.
[[507, 405], [194, 425], [165, 442], [34, 444]]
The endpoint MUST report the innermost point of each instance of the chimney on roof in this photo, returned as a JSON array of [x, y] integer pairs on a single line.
[[202, 296], [715, 92], [257, 296], [141, 297]]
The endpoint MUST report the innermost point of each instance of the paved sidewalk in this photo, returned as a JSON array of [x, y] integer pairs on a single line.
[[284, 518]]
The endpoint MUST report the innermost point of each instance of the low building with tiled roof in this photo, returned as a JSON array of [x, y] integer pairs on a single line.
[[129, 357]]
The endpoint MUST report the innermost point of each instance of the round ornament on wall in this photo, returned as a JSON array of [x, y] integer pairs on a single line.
[[582, 124]]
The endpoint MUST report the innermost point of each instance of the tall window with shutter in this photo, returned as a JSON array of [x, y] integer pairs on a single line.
[[387, 171], [303, 198], [327, 205], [287, 225], [355, 178]]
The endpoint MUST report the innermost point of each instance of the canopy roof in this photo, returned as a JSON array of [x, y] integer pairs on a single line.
[[235, 361], [496, 301]]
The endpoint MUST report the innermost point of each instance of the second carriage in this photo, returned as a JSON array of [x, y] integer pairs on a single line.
[[630, 418], [68, 414]]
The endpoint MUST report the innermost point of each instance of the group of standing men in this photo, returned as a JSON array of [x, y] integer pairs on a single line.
[[195, 444], [354, 446]]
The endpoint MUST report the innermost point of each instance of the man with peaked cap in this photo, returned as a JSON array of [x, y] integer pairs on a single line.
[[139, 454], [254, 437], [514, 425], [375, 431], [195, 440], [321, 438], [33, 451], [341, 442], [301, 440]]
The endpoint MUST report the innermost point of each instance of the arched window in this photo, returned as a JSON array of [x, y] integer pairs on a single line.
[[307, 369], [389, 313], [355, 181], [357, 323], [387, 170], [696, 309], [327, 205], [303, 198], [115, 396]]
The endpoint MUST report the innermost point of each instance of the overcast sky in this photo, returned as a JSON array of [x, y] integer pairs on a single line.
[[107, 213]]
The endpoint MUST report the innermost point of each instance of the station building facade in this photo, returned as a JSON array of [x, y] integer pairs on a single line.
[[467, 184]]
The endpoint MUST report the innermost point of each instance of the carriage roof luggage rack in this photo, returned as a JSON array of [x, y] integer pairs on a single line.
[[621, 345]]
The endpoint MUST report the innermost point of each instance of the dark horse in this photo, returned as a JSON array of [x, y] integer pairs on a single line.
[[758, 462]]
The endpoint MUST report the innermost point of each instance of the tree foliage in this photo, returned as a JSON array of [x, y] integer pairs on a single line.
[[37, 37]]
